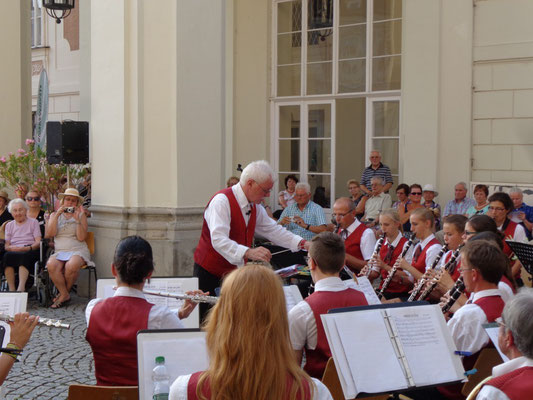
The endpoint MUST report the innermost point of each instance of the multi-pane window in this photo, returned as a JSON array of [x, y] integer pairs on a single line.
[[36, 24]]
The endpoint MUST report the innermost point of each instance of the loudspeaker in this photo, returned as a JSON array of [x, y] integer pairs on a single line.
[[67, 142]]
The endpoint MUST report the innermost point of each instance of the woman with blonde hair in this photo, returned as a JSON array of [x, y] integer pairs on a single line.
[[249, 346]]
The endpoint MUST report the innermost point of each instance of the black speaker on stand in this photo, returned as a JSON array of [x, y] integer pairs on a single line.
[[67, 142]]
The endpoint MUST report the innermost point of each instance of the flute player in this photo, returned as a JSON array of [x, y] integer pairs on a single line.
[[113, 323], [231, 219]]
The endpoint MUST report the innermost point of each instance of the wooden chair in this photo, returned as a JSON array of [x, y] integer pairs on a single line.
[[91, 268], [91, 392], [332, 382], [488, 358]]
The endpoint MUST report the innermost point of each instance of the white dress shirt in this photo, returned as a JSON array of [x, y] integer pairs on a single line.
[[218, 218], [466, 324], [505, 291], [368, 239], [160, 317], [178, 389], [519, 234], [490, 392], [408, 256]]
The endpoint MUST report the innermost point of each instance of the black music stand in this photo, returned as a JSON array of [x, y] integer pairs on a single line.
[[524, 252]]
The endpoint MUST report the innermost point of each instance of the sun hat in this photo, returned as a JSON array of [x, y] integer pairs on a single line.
[[71, 192], [4, 194], [429, 188]]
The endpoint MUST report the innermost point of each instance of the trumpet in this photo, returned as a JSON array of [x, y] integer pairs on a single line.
[[195, 298], [455, 292], [422, 281], [395, 267], [51, 323]]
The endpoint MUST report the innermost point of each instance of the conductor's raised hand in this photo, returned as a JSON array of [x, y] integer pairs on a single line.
[[258, 254], [22, 327], [188, 305]]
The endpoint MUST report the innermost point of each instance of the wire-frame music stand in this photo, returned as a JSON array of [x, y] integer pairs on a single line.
[[524, 252]]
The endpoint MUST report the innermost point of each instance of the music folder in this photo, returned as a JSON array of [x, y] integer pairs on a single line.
[[391, 347]]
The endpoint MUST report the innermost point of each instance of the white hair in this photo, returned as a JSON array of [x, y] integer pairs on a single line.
[[259, 171], [14, 202], [517, 318], [303, 185], [377, 179], [516, 190], [463, 184]]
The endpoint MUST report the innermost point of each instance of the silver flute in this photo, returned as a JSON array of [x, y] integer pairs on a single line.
[[52, 323], [195, 298]]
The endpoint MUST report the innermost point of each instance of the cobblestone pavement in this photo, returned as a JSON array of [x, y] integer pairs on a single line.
[[54, 358]]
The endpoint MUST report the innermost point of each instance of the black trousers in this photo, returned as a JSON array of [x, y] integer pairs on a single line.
[[207, 282]]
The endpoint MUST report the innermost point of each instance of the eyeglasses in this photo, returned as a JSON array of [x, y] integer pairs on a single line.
[[468, 233], [500, 322], [341, 215], [265, 191], [416, 193], [465, 269], [33, 198], [496, 208], [307, 258]]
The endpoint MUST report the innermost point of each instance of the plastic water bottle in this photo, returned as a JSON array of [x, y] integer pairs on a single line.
[[160, 379]]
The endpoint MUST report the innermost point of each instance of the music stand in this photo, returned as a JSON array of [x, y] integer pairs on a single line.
[[524, 252]]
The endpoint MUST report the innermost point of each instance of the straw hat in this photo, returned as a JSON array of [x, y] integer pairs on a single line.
[[71, 192], [429, 188], [4, 194]]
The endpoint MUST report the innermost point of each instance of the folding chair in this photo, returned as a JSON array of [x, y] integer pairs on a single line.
[[488, 358], [91, 392]]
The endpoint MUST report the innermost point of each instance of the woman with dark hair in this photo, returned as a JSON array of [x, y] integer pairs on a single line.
[[481, 192], [286, 197], [415, 201], [113, 323], [250, 353], [402, 193]]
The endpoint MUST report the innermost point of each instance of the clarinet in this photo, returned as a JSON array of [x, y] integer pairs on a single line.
[[455, 292], [447, 267], [395, 267], [422, 281], [374, 256]]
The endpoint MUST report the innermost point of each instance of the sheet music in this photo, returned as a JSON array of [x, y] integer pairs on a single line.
[[165, 286], [363, 285], [493, 330], [292, 296]]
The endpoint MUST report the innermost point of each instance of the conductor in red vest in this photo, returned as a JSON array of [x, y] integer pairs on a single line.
[[514, 378], [326, 259], [231, 219]]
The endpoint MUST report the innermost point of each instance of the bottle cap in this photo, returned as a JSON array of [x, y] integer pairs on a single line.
[[160, 360]]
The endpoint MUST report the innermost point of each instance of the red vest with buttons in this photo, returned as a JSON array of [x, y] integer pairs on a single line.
[[394, 287], [112, 334], [320, 302], [517, 384], [206, 389], [206, 256], [420, 262], [353, 242]]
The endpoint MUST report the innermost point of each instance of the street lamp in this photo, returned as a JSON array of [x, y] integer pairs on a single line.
[[59, 9]]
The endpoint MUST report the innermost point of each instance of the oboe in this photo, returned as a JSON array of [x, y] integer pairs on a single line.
[[372, 260], [422, 281], [395, 267], [447, 267], [455, 292], [52, 323], [195, 298]]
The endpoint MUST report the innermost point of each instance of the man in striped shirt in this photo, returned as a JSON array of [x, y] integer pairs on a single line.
[[460, 203], [376, 168]]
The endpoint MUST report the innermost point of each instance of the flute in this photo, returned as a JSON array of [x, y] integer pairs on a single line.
[[447, 267], [372, 260], [52, 323], [422, 281], [455, 292], [195, 298], [395, 267]]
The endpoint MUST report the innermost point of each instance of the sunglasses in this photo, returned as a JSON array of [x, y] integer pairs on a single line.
[[416, 193], [33, 198]]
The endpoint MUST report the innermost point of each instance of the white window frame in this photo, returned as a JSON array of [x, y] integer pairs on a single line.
[[37, 4]]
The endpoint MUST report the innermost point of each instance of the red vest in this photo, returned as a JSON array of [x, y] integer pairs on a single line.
[[394, 287], [509, 234], [353, 242], [206, 390], [112, 334], [455, 274], [517, 384], [420, 262], [206, 256], [320, 302]]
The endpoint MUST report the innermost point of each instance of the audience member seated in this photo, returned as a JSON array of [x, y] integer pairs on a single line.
[[320, 197], [415, 202], [68, 227], [286, 197], [522, 213], [460, 204], [374, 203], [4, 212], [249, 346], [356, 194], [326, 260], [304, 218], [514, 378], [376, 168], [21, 330], [34, 202], [429, 193], [23, 238], [358, 239], [113, 323], [402, 193], [232, 180], [481, 192]]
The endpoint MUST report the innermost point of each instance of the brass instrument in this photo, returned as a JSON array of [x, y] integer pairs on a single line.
[[52, 323], [455, 292], [195, 298], [422, 281], [395, 267], [447, 267]]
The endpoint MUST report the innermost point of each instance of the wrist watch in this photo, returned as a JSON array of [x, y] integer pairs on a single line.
[[308, 225]]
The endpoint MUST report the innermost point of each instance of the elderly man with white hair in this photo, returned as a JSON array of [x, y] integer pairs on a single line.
[[304, 218], [522, 213], [376, 168], [460, 204], [231, 219], [376, 202]]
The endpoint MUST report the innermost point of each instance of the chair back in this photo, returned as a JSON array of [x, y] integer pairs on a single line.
[[91, 392], [90, 242], [3, 231], [488, 358], [473, 394]]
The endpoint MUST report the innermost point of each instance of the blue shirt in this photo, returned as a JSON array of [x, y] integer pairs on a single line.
[[459, 208], [528, 210], [312, 214]]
